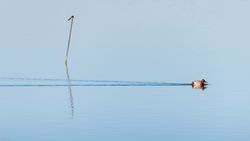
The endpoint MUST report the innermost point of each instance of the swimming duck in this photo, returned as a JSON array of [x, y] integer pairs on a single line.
[[199, 84]]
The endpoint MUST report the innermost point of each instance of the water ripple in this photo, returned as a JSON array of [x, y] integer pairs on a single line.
[[48, 82]]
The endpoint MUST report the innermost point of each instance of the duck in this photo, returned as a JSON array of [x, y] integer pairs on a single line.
[[199, 84]]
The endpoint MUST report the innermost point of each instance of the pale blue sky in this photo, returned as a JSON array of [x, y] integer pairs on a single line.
[[135, 40]]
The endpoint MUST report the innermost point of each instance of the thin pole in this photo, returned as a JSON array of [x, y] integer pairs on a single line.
[[71, 25]]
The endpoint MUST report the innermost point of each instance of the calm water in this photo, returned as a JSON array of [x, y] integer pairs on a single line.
[[129, 65]]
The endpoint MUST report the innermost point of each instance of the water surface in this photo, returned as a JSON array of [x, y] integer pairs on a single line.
[[129, 70]]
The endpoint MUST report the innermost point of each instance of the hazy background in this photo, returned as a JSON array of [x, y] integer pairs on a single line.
[[134, 40]]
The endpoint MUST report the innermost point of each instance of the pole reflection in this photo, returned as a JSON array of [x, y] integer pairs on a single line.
[[70, 92]]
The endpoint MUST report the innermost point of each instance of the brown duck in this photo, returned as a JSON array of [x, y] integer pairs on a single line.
[[199, 84]]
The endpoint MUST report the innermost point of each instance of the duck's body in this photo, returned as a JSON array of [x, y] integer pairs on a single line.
[[199, 84]]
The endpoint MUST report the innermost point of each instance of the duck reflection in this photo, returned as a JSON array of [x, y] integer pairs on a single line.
[[70, 92]]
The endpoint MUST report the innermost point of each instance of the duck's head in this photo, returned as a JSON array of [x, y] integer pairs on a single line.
[[204, 81]]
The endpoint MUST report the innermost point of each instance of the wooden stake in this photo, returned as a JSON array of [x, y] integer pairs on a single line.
[[71, 25]]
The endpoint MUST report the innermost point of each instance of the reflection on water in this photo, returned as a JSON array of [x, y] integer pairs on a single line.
[[200, 87], [70, 92]]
